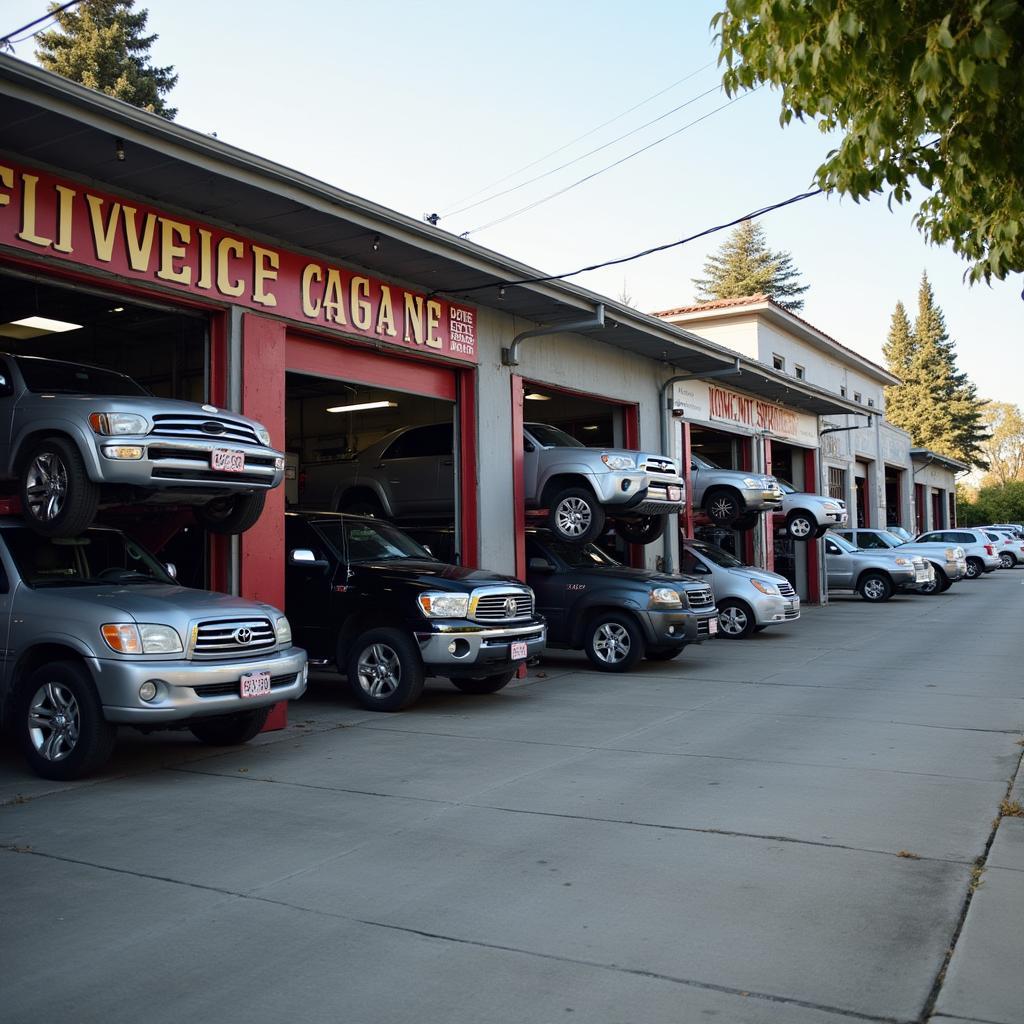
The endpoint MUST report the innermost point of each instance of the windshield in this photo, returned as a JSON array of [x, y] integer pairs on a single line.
[[787, 487], [842, 543], [703, 462], [548, 436], [579, 556], [717, 556], [48, 376], [369, 541], [100, 558]]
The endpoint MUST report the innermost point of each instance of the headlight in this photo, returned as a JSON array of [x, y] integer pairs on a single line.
[[765, 588], [444, 606], [904, 561], [619, 461], [283, 630], [665, 597], [263, 435], [114, 424], [830, 506], [144, 638], [754, 484], [950, 554]]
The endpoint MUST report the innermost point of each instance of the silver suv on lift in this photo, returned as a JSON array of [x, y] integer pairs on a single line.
[[75, 438], [732, 497]]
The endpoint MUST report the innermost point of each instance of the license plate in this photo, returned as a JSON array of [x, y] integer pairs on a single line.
[[227, 460], [712, 627], [518, 651], [674, 494], [256, 684]]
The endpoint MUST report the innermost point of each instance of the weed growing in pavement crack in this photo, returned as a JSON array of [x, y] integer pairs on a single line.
[[909, 855], [976, 880], [1011, 809]]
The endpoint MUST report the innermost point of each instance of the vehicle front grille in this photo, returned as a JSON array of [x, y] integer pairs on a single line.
[[703, 627], [786, 589], [504, 641], [792, 613], [511, 606], [702, 597], [661, 467], [232, 638], [233, 688], [190, 425]]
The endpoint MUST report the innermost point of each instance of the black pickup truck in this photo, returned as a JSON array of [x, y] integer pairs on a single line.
[[365, 596], [615, 614]]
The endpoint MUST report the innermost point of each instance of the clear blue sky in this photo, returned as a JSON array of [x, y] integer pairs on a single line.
[[414, 105]]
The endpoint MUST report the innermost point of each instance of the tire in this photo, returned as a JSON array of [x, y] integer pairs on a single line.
[[1006, 560], [874, 587], [232, 515], [975, 568], [939, 585], [57, 497], [642, 530], [735, 619], [384, 670], [723, 507], [483, 684], [613, 642], [760, 629], [746, 522], [362, 505], [62, 692], [229, 730], [575, 516], [821, 531], [664, 653], [801, 525]]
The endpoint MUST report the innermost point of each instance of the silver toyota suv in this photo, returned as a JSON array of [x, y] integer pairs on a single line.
[[100, 635], [74, 438], [409, 474], [877, 574], [948, 561], [732, 497], [809, 515]]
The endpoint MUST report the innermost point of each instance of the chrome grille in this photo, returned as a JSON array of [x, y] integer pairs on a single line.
[[701, 597], [661, 467], [509, 606], [225, 638], [786, 589], [190, 425]]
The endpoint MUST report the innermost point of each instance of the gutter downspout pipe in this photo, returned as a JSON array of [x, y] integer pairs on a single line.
[[510, 355], [664, 417]]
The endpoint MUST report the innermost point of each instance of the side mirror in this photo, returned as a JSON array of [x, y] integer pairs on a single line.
[[307, 559], [700, 569], [426, 547], [6, 388], [172, 570], [528, 446], [540, 565]]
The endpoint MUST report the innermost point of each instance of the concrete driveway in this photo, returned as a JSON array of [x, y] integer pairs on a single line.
[[787, 829]]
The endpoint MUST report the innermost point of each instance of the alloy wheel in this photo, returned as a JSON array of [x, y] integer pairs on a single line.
[[46, 486], [733, 620], [573, 516], [611, 642], [800, 527], [54, 721], [722, 509], [1006, 559], [379, 670], [874, 590]]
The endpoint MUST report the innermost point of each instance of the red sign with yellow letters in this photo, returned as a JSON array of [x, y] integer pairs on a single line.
[[82, 226]]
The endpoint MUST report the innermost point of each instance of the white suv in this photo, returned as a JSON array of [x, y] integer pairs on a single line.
[[981, 552]]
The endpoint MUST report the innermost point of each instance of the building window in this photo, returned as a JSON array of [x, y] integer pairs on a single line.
[[856, 397], [871, 403], [778, 362], [836, 482], [842, 391], [800, 372]]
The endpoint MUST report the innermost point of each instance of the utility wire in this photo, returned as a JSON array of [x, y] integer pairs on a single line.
[[25, 39], [601, 170], [583, 156], [579, 138], [5, 41], [501, 285]]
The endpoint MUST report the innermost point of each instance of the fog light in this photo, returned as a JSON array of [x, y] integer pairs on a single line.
[[123, 451], [626, 484], [305, 672], [278, 463], [452, 647], [671, 630], [147, 691]]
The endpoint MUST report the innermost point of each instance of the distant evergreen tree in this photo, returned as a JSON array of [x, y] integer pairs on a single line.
[[744, 265], [936, 403], [100, 44]]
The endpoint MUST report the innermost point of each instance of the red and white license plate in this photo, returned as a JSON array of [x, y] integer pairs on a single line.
[[518, 651], [674, 494], [227, 460], [712, 627], [255, 684]]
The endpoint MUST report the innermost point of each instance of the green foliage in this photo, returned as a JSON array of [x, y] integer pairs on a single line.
[[1001, 503], [923, 90], [935, 403], [100, 43], [744, 265], [1004, 449]]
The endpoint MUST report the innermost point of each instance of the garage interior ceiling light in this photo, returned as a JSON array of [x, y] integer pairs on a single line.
[[536, 396], [592, 427], [364, 405], [33, 326]]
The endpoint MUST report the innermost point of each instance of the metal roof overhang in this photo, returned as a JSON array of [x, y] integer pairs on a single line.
[[55, 123]]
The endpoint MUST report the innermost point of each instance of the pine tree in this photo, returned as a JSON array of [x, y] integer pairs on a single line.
[[936, 403], [101, 44], [744, 265]]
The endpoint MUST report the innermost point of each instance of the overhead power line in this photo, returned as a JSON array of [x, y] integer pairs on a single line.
[[607, 167], [501, 285], [572, 142], [583, 156], [5, 41]]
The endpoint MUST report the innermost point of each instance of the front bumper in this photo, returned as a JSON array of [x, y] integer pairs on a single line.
[[175, 463], [771, 609], [758, 500], [638, 494], [911, 578], [192, 689], [678, 626], [475, 647]]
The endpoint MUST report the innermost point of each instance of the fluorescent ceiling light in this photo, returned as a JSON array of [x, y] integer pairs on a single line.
[[536, 396], [594, 427], [364, 405], [33, 326]]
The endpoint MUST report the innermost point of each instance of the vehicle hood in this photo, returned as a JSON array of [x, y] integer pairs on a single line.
[[145, 405], [626, 574], [927, 548], [808, 498], [753, 573], [436, 575]]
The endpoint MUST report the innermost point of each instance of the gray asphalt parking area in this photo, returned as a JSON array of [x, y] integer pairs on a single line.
[[782, 829]]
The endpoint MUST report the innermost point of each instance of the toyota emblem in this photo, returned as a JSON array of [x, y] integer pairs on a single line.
[[243, 635], [511, 606]]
